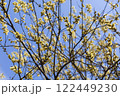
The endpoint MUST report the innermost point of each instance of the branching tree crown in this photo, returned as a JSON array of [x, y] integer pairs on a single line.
[[45, 41]]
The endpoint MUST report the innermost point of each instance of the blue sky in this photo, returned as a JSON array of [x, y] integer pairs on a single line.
[[5, 63]]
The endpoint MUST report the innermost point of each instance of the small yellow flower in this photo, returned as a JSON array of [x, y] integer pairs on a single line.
[[2, 76], [46, 19], [89, 8], [16, 20]]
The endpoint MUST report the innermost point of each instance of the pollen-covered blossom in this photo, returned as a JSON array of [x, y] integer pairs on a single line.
[[15, 69], [46, 19], [16, 20], [2, 76], [89, 8], [61, 1]]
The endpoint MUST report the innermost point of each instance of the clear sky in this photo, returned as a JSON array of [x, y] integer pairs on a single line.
[[5, 63]]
